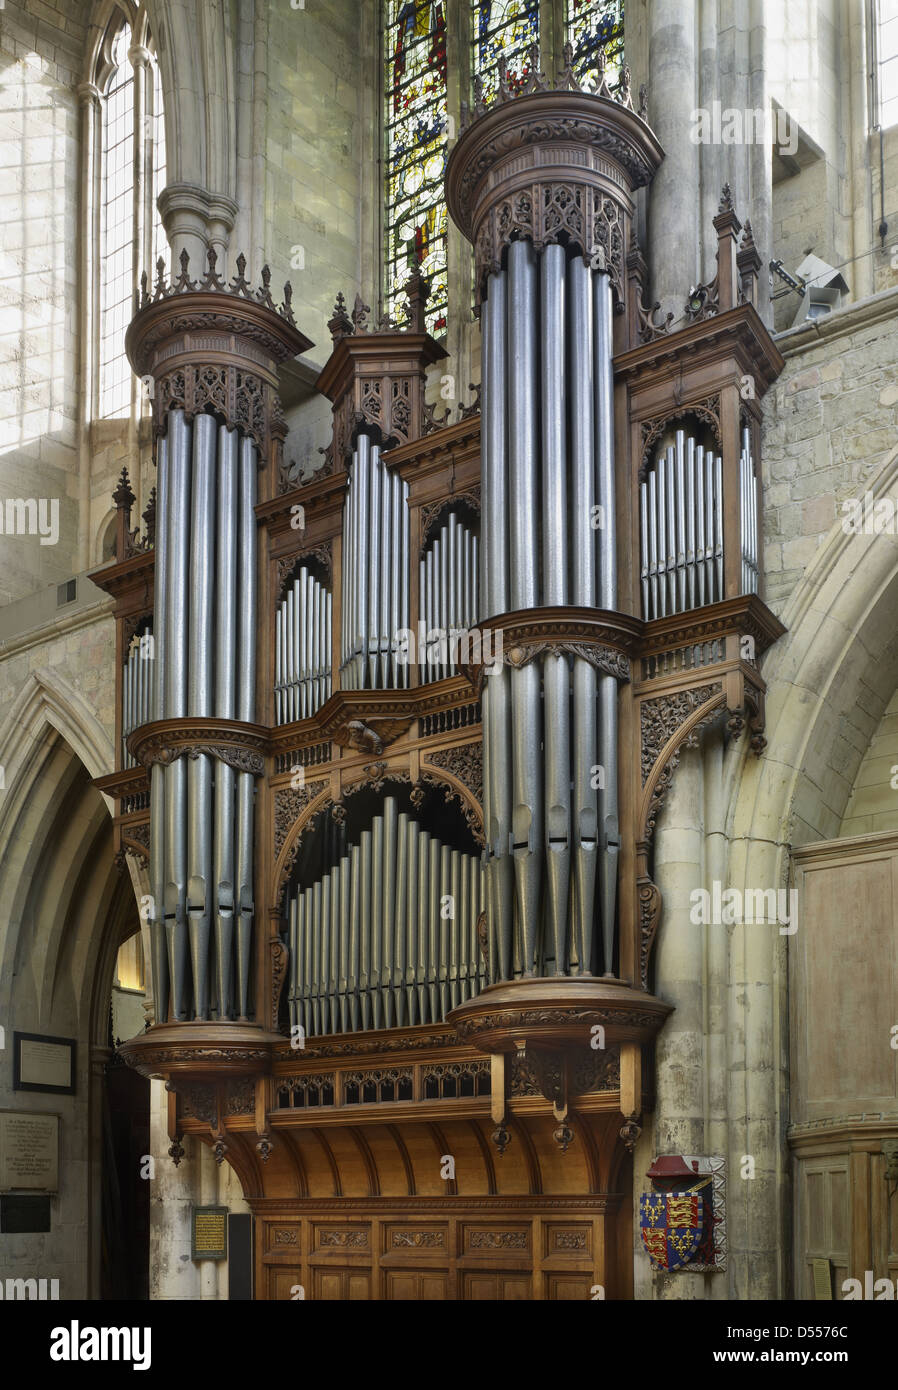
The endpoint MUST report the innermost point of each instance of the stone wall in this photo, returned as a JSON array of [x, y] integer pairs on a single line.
[[829, 423], [873, 805], [40, 54]]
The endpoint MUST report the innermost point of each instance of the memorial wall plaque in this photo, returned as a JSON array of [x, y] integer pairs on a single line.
[[209, 1237], [29, 1151], [21, 1215], [43, 1063]]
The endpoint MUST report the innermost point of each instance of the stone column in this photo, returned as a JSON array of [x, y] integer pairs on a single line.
[[674, 234], [679, 1120], [195, 220], [172, 1272]]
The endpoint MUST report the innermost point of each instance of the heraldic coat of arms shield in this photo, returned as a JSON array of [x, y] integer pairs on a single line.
[[677, 1218], [674, 1226]]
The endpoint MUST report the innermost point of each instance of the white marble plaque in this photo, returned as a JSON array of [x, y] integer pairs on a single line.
[[45, 1063]]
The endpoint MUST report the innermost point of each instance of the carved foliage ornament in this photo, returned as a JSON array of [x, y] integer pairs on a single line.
[[243, 759], [432, 513], [660, 719], [242, 398], [286, 565], [605, 660], [707, 410], [556, 212]]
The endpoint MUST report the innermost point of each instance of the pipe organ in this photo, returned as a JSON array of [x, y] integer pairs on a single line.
[[387, 937], [202, 825], [138, 687], [448, 586], [681, 526], [377, 862], [550, 725], [303, 634], [375, 581]]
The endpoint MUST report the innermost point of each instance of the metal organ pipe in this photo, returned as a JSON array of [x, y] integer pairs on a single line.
[[607, 596], [585, 752], [199, 702], [157, 771], [556, 675], [175, 895]]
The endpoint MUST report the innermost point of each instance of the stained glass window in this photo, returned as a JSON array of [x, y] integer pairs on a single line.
[[416, 131], [504, 28], [590, 24]]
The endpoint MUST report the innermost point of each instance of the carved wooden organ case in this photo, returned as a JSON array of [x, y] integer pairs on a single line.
[[394, 735]]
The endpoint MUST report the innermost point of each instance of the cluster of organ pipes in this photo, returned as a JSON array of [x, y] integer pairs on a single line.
[[201, 826], [448, 593], [137, 689], [681, 529], [388, 936], [748, 511], [681, 507], [547, 538], [302, 663], [375, 572]]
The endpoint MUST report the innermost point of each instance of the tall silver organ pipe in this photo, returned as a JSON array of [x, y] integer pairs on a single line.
[[681, 527], [748, 484], [388, 934], [201, 836], [548, 539], [375, 572], [302, 660], [158, 948], [449, 590]]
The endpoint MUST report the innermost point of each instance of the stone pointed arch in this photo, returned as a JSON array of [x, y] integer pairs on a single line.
[[47, 700], [841, 644]]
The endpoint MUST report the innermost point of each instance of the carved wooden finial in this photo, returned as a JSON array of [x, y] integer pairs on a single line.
[[566, 81], [360, 312], [263, 295], [149, 517], [726, 199], [212, 280], [505, 92], [624, 94], [240, 285], [160, 288], [184, 284], [286, 309], [340, 324], [417, 293], [123, 497]]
